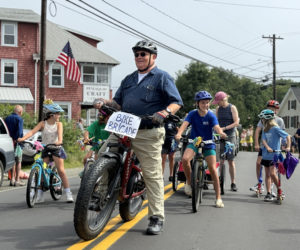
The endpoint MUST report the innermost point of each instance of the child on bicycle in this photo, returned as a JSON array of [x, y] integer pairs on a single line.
[[271, 138], [203, 123], [52, 133], [96, 133]]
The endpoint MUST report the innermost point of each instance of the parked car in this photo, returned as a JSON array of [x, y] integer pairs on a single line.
[[7, 155], [28, 147]]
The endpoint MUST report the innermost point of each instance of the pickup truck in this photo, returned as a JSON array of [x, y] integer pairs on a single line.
[[7, 155]]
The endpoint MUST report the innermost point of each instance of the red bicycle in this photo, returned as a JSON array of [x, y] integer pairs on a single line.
[[116, 175]]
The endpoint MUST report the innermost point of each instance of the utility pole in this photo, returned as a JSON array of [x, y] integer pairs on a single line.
[[42, 56], [273, 38]]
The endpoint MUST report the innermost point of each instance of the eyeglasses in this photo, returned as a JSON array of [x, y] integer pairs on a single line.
[[142, 54]]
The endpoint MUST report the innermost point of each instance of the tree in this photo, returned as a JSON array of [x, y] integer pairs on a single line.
[[244, 93]]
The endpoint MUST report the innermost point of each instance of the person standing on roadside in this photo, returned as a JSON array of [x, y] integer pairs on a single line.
[[274, 106], [148, 91], [228, 118], [14, 124]]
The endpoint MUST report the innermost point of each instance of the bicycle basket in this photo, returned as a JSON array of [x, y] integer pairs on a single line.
[[290, 164]]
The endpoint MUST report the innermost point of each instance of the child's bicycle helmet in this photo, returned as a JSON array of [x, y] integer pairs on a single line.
[[266, 114], [273, 104], [51, 108], [202, 95]]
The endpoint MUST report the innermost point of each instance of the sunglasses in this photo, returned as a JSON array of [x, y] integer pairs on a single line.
[[142, 54]]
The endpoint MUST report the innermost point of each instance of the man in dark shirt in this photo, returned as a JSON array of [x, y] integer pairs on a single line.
[[148, 91], [14, 123]]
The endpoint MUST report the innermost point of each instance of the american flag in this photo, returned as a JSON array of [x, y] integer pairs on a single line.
[[67, 59]]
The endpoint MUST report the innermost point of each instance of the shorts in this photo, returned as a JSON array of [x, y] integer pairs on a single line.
[[169, 146], [57, 151], [18, 158], [206, 152], [230, 156], [267, 163]]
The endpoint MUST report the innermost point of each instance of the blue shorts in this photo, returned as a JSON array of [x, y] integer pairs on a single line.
[[206, 152]]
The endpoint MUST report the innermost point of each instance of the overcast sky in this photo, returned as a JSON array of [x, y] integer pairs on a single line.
[[222, 33]]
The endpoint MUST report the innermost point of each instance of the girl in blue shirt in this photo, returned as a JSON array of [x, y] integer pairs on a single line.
[[203, 123], [271, 138]]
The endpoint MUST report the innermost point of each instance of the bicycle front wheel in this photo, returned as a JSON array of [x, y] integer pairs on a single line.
[[55, 185], [197, 185], [32, 186], [94, 204], [175, 175], [222, 174]]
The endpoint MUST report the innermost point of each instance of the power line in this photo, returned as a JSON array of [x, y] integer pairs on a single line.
[[143, 36], [249, 5], [199, 32], [94, 19], [174, 38]]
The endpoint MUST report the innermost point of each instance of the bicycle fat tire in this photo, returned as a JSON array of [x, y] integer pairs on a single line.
[[87, 167], [130, 207], [175, 176], [55, 190], [31, 190], [196, 186], [222, 177], [86, 227]]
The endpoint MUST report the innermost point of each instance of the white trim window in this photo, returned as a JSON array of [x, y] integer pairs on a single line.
[[9, 72], [9, 34], [95, 74], [56, 76], [67, 107]]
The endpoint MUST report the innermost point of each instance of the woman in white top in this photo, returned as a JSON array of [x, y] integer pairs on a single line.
[[52, 133]]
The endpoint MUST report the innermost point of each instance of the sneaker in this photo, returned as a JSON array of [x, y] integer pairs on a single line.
[[170, 178], [40, 197], [188, 190], [155, 226], [268, 197], [19, 184], [233, 187], [273, 194], [219, 203], [12, 183], [254, 188], [69, 197]]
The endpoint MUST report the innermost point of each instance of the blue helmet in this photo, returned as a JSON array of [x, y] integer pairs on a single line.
[[202, 95], [267, 114], [52, 108]]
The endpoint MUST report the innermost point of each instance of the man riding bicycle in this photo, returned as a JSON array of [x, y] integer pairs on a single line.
[[148, 91]]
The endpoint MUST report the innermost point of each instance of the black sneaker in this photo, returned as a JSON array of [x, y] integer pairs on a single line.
[[171, 178], [233, 187], [155, 226], [268, 197]]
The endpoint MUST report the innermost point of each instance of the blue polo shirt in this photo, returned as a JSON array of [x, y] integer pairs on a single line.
[[154, 93], [14, 124], [202, 126]]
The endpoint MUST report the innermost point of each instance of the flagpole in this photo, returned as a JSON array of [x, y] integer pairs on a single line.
[[42, 57]]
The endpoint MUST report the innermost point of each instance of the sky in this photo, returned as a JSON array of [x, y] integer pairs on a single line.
[[220, 33]]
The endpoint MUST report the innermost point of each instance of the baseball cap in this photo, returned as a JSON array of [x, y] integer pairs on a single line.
[[219, 96]]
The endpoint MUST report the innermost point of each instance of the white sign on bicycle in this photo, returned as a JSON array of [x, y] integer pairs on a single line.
[[124, 124]]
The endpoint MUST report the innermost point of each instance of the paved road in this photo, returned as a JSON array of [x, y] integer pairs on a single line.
[[246, 222]]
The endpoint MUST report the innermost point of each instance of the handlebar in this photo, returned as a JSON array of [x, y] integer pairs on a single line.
[[173, 118]]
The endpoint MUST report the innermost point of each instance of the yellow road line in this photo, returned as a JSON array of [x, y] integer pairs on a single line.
[[114, 221], [113, 237]]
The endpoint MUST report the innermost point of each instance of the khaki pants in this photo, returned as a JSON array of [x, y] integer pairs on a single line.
[[147, 146]]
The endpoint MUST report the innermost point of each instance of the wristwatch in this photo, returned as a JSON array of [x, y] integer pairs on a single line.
[[169, 111]]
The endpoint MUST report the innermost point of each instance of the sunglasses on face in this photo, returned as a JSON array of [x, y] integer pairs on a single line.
[[142, 54]]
